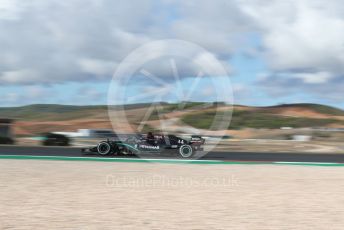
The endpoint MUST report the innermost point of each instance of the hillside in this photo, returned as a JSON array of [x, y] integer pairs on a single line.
[[34, 119], [273, 117], [54, 112], [323, 109], [259, 119]]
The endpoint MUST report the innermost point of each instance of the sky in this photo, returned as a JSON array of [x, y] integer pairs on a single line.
[[66, 52]]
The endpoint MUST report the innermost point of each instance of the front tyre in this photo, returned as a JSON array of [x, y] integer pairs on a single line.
[[186, 151], [104, 148]]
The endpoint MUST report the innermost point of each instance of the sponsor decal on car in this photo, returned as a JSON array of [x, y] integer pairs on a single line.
[[149, 147]]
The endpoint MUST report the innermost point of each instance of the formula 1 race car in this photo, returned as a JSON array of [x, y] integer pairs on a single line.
[[158, 144]]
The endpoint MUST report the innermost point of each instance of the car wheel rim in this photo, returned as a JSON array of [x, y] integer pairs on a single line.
[[103, 149], [186, 151]]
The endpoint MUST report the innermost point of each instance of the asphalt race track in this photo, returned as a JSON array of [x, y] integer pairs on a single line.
[[225, 156]]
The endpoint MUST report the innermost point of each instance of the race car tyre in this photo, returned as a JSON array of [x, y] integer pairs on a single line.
[[104, 148], [185, 151]]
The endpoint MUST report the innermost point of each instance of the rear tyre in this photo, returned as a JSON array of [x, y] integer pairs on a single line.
[[104, 148], [186, 151]]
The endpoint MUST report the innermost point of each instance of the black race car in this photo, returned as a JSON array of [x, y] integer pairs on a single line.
[[159, 144]]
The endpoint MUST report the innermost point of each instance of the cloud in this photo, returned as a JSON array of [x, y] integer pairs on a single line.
[[310, 36], [56, 42], [321, 86], [84, 40], [96, 66], [9, 9], [303, 45], [220, 25], [19, 76], [314, 78], [68, 41]]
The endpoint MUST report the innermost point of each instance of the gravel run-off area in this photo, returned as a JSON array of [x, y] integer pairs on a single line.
[[109, 195]]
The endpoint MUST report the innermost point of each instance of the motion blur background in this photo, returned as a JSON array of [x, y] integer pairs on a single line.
[[284, 59]]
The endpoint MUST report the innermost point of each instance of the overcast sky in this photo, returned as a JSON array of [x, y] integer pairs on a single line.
[[289, 51]]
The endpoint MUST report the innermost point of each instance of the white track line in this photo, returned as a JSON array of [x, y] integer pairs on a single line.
[[315, 163]]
